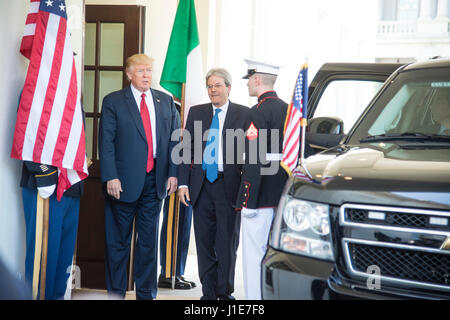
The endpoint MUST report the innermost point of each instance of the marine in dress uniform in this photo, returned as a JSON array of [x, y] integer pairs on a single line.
[[63, 225], [263, 178]]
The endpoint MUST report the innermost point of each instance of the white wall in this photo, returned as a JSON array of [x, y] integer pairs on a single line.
[[12, 76]]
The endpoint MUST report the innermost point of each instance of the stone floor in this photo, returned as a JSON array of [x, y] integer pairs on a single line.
[[191, 273]]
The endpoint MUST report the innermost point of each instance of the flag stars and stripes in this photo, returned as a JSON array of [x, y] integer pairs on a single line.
[[296, 112], [49, 127], [298, 90], [57, 7]]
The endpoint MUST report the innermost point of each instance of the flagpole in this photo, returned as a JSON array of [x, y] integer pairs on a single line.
[[169, 239], [46, 207], [37, 246], [177, 200], [175, 240], [184, 35], [304, 121], [302, 146]]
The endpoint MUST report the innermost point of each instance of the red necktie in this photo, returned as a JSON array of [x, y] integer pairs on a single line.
[[148, 132]]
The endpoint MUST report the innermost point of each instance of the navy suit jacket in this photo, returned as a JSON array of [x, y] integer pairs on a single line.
[[192, 174], [123, 145]]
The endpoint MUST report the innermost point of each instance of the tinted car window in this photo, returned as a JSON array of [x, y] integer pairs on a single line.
[[415, 102], [346, 99]]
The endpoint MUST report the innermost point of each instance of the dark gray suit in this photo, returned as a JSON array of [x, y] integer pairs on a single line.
[[216, 222]]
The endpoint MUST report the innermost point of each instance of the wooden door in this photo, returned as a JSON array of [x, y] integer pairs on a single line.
[[112, 33]]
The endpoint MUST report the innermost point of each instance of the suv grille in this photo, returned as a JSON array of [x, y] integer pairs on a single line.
[[410, 265], [408, 253], [396, 219]]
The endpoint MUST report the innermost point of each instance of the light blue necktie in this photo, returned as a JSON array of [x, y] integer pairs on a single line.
[[211, 152]]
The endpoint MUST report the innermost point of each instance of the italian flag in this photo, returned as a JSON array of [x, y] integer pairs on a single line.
[[183, 62]]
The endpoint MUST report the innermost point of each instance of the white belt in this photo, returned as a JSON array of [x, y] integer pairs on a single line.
[[271, 156], [274, 156]]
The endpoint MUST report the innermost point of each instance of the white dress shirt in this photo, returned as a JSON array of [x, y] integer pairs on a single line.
[[151, 110], [222, 115]]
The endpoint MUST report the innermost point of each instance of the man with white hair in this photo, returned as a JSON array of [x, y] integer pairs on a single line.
[[211, 185]]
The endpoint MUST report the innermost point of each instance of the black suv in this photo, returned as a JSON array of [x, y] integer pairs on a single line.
[[369, 218]]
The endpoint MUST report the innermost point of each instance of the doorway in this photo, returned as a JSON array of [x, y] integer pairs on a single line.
[[112, 33]]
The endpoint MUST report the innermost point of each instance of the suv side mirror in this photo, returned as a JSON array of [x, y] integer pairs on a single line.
[[323, 133], [326, 125]]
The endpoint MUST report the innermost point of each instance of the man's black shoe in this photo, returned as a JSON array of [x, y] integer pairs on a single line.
[[192, 283], [179, 284]]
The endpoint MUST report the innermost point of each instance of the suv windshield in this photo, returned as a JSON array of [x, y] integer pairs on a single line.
[[414, 107]]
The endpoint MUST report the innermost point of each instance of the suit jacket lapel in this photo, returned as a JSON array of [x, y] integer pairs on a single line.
[[206, 123], [229, 119], [208, 117], [228, 124], [134, 111], [159, 118]]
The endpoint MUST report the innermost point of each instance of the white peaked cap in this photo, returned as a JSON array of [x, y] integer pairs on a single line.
[[260, 67]]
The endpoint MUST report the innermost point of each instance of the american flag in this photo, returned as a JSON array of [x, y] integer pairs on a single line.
[[49, 127], [295, 118]]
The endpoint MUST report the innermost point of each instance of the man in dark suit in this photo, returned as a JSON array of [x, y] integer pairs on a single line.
[[210, 181], [137, 172]]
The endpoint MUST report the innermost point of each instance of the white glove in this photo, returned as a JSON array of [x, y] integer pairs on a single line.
[[249, 213], [46, 192]]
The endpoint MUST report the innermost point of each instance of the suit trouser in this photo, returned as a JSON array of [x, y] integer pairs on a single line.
[[184, 231], [216, 227], [62, 234], [255, 234], [118, 230]]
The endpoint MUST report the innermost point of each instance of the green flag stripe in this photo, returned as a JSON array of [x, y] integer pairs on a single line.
[[183, 40]]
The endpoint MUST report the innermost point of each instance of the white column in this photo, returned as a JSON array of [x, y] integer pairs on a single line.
[[442, 19], [442, 7], [425, 10], [425, 26]]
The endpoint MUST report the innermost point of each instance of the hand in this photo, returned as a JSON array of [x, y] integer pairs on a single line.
[[47, 191], [114, 188], [172, 184], [183, 195], [249, 213]]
